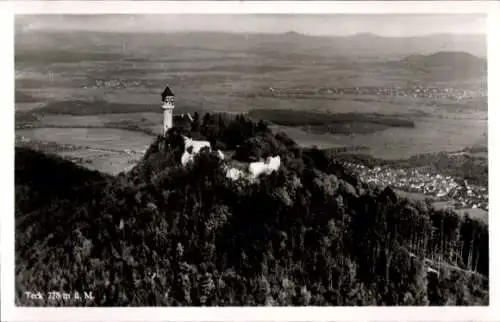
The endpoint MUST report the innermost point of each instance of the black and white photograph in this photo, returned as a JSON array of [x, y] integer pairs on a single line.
[[251, 160]]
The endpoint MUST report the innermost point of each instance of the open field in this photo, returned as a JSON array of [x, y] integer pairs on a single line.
[[108, 162], [99, 138], [87, 148], [48, 120], [105, 149]]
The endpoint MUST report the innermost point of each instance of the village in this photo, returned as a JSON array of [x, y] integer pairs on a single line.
[[415, 91], [436, 187]]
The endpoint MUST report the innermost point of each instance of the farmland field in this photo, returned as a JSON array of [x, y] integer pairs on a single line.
[[98, 138]]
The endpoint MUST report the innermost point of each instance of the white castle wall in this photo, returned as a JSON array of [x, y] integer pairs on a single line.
[[193, 147], [255, 169], [267, 167], [234, 174]]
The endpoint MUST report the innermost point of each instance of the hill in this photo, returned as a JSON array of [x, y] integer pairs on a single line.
[[144, 45], [459, 64], [309, 234], [292, 33], [445, 58]]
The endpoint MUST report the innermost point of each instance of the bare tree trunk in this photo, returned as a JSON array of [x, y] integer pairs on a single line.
[[471, 249], [442, 242], [388, 265], [185, 201]]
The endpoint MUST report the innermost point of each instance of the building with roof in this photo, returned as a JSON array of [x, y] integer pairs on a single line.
[[170, 120]]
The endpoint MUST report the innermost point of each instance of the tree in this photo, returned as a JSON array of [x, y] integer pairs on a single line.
[[196, 124]]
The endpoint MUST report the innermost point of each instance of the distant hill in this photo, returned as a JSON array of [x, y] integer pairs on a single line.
[[455, 63], [446, 58], [294, 34], [251, 44]]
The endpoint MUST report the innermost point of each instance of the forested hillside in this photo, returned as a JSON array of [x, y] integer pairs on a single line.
[[310, 234]]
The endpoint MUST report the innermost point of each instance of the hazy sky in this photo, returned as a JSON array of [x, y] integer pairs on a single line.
[[331, 24]]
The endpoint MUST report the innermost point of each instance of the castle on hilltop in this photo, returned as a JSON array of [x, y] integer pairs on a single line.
[[193, 147]]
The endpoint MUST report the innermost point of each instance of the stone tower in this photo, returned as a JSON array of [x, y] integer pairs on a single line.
[[168, 105]]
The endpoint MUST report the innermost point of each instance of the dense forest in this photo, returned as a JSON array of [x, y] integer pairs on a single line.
[[323, 122], [309, 234]]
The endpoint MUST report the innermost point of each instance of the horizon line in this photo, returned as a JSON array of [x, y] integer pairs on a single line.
[[368, 34]]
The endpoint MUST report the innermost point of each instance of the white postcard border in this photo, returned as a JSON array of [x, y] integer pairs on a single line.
[[11, 313]]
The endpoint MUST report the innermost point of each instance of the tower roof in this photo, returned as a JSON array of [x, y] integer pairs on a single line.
[[167, 93]]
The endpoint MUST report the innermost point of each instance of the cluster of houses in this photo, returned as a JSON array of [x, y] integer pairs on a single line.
[[408, 91], [114, 84], [439, 187]]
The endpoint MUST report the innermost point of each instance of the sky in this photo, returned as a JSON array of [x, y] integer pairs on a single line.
[[394, 25]]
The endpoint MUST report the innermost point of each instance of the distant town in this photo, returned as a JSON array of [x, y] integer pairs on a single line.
[[461, 193], [415, 91]]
